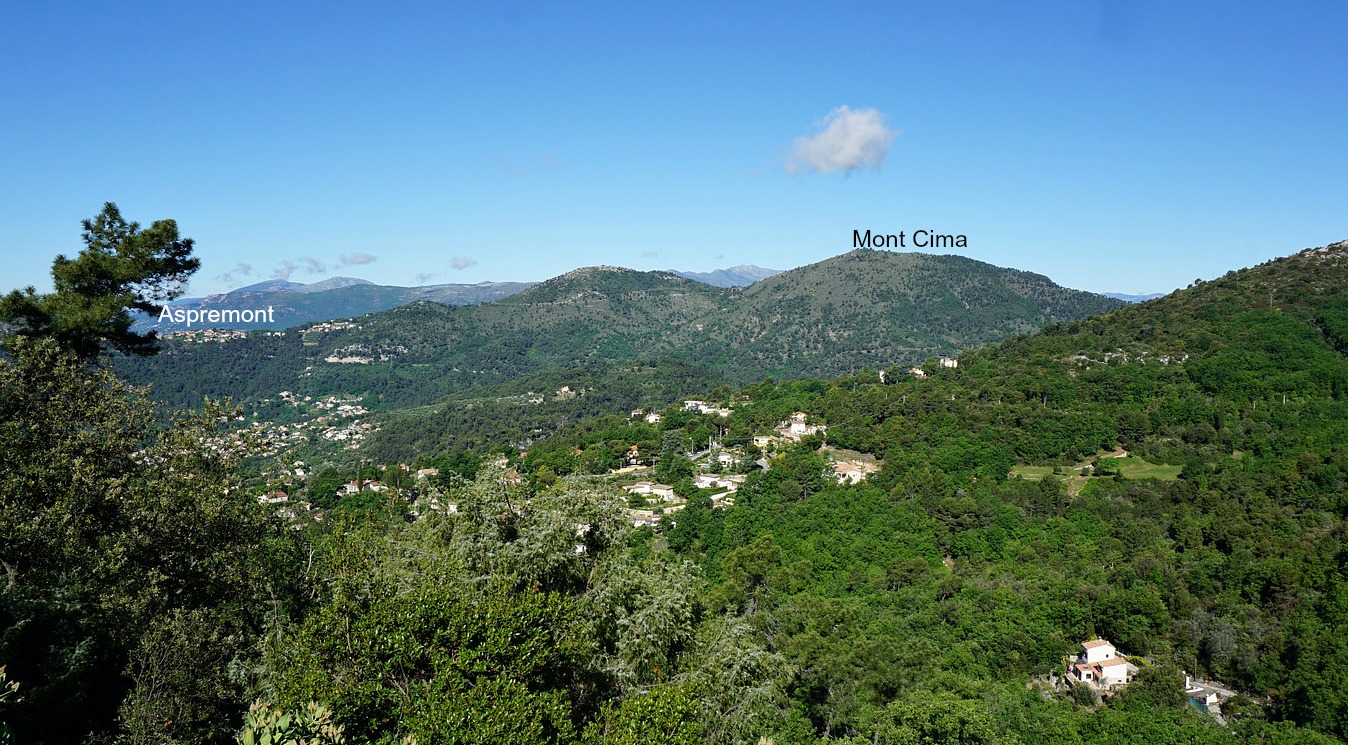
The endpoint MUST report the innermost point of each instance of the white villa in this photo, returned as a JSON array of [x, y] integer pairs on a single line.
[[1101, 666], [664, 491], [853, 471], [796, 428], [717, 481]]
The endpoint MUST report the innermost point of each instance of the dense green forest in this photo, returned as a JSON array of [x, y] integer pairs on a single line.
[[1172, 476]]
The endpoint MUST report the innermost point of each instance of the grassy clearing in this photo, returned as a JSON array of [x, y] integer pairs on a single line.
[[1136, 468], [1072, 476], [1031, 473]]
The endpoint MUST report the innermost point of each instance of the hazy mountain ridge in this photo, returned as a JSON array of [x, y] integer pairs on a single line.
[[294, 304], [1127, 298], [742, 275]]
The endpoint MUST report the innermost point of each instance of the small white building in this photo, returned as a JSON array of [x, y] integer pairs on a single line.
[[1097, 650], [664, 491], [1101, 666], [797, 427], [852, 471], [717, 481]]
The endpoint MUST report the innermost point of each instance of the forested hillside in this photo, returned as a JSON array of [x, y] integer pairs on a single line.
[[865, 308], [877, 309], [949, 573], [1171, 476]]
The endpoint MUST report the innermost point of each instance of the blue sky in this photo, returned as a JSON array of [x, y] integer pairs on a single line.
[[1117, 146]]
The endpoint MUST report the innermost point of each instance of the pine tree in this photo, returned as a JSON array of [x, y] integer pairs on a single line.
[[122, 268]]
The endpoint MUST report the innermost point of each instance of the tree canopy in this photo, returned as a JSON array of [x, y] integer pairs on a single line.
[[122, 268]]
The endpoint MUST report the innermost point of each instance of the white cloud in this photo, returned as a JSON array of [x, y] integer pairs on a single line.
[[358, 258], [462, 262], [302, 265], [847, 140], [242, 270]]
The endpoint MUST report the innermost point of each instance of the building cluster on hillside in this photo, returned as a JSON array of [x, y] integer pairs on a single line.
[[327, 326], [671, 502], [702, 407], [204, 336], [327, 425], [921, 374], [365, 354]]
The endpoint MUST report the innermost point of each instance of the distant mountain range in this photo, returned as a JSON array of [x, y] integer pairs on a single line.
[[297, 303], [865, 308], [736, 276], [1133, 298]]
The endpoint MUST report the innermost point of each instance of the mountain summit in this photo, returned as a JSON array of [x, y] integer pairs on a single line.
[[878, 308], [736, 276]]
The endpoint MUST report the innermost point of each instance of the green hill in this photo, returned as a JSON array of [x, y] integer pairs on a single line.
[[877, 308], [1185, 496]]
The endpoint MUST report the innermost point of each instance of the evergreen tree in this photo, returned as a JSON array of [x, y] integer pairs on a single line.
[[122, 268]]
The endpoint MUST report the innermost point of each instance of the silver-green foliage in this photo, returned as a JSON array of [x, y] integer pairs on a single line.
[[9, 690], [311, 725]]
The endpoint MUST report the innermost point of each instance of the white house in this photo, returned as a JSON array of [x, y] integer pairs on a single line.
[[705, 480], [797, 428], [853, 472], [1101, 666], [648, 488], [1097, 650], [717, 481]]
